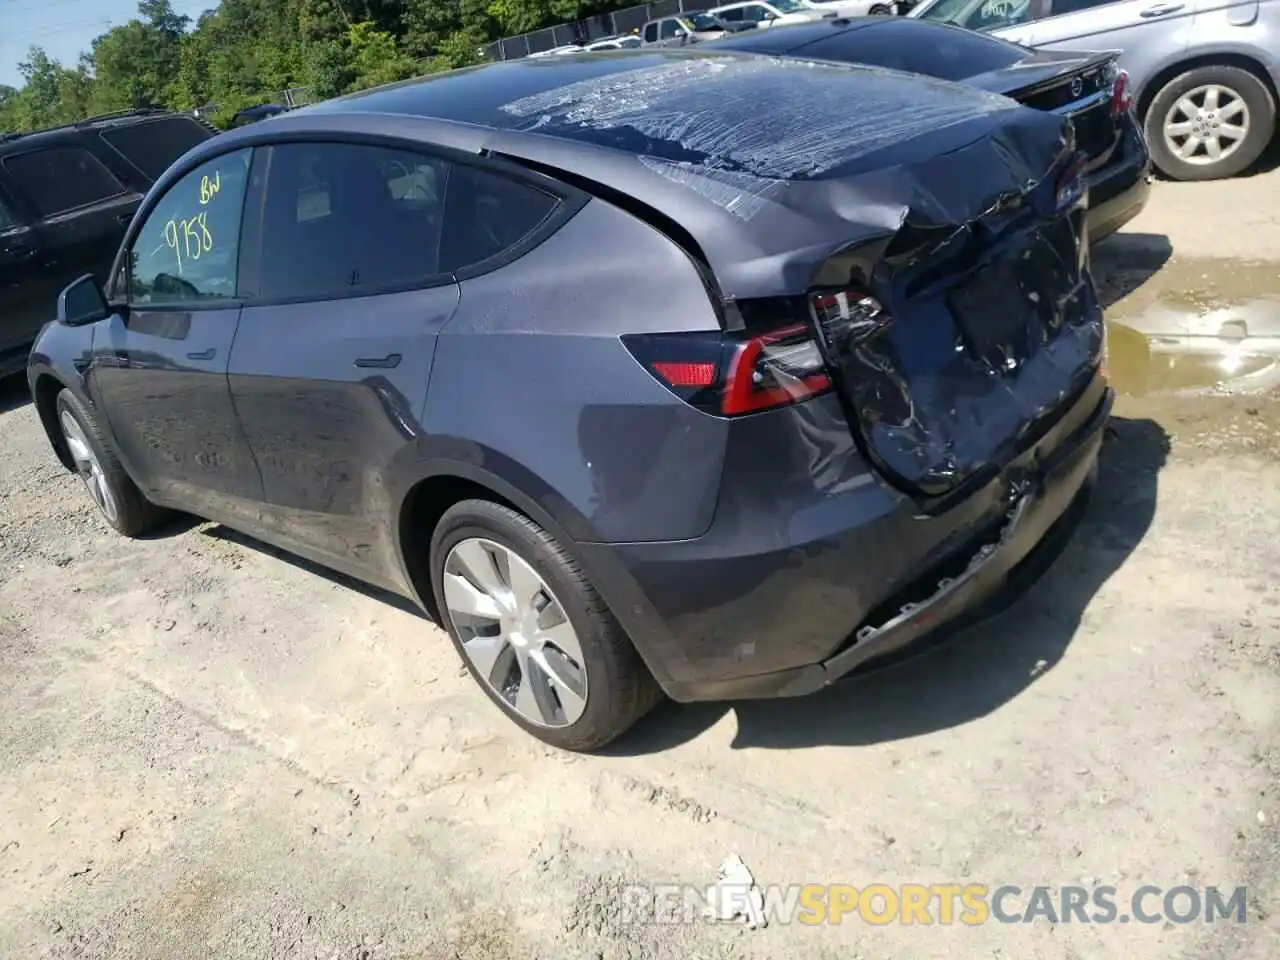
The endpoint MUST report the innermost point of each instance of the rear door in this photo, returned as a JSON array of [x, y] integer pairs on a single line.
[[1149, 33], [330, 367], [78, 210]]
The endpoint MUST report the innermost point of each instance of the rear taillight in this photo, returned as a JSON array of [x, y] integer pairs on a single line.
[[1121, 101], [731, 375], [773, 370], [1070, 185]]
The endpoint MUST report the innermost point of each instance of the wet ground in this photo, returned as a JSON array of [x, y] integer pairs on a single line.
[[1192, 292]]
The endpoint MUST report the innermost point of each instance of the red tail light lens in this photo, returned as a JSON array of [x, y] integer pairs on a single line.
[[730, 375], [1121, 101], [773, 370]]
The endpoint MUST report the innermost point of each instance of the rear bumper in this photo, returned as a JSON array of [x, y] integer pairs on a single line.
[[1119, 191], [804, 601]]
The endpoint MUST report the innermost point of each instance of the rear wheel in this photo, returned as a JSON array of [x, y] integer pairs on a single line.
[[880, 10], [116, 496], [1209, 123], [532, 630]]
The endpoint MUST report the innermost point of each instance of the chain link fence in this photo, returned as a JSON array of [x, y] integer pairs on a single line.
[[592, 28]]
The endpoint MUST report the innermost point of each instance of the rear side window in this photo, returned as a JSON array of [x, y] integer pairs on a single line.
[[915, 47], [340, 219], [650, 32], [732, 15], [487, 215], [152, 146], [62, 179]]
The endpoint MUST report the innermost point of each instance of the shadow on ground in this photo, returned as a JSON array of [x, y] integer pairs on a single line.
[[979, 669], [1123, 262], [219, 532], [13, 393]]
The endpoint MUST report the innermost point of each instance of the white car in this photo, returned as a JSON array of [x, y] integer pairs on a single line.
[[766, 14], [850, 8], [625, 42]]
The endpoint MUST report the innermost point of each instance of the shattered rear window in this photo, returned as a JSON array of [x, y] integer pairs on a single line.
[[736, 117]]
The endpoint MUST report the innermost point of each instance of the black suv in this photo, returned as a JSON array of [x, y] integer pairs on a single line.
[[66, 196]]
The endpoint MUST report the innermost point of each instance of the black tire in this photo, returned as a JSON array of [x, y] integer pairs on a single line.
[[620, 689], [880, 10], [134, 514], [1244, 85]]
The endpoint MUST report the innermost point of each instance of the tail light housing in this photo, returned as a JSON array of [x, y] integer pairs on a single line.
[[733, 375], [1121, 96]]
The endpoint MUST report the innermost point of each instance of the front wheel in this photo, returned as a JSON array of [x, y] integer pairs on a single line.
[[532, 630], [1209, 123], [880, 10], [114, 493]]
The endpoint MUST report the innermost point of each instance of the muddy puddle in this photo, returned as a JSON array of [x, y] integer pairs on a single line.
[[1186, 327]]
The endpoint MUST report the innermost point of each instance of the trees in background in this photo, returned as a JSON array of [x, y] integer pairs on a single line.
[[244, 52]]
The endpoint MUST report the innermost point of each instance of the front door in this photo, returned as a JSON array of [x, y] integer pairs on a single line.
[[159, 365], [329, 369]]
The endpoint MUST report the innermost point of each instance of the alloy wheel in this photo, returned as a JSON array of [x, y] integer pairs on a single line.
[[515, 632], [1206, 124], [87, 465]]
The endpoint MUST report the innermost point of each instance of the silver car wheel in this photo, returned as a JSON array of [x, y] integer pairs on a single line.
[[87, 465], [1206, 124], [515, 632]]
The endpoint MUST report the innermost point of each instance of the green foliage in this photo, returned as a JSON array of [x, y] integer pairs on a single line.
[[245, 52]]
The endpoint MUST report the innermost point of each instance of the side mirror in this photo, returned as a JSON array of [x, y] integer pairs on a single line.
[[82, 303]]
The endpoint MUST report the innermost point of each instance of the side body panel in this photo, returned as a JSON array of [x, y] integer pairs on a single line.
[[532, 383]]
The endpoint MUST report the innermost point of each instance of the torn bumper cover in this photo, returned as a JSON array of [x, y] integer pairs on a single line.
[[1046, 498]]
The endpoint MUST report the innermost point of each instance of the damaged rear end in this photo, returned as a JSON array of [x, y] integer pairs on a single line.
[[897, 258]]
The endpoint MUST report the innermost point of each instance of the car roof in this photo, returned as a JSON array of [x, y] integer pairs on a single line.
[[70, 132]]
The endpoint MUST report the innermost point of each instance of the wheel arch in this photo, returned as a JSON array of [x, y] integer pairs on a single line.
[[1214, 58], [439, 486], [45, 388]]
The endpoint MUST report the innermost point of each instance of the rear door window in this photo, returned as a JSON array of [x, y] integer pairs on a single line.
[[487, 214], [650, 32], [153, 145], [341, 219], [732, 15], [61, 179], [7, 220]]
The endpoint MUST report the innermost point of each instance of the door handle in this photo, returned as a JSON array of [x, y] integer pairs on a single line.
[[203, 354], [1161, 9], [381, 363]]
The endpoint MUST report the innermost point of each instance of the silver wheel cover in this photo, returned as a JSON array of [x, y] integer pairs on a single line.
[[87, 465], [515, 632]]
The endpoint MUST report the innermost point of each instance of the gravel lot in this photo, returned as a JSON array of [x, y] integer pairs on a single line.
[[211, 750]]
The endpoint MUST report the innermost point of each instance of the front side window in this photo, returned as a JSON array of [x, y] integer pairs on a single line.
[[671, 29], [61, 179], [344, 218], [788, 6], [702, 21], [189, 246]]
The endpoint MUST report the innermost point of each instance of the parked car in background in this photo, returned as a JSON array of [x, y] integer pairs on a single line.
[[558, 51], [628, 41], [775, 13], [262, 111], [827, 431], [66, 197], [1204, 72], [855, 8], [1087, 87], [687, 28]]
